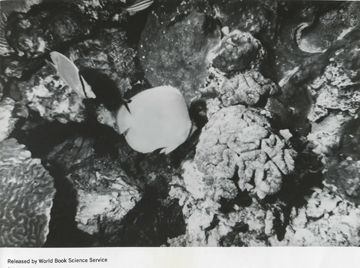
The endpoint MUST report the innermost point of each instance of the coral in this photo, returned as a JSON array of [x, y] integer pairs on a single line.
[[6, 9], [348, 56], [44, 27], [7, 121], [26, 197], [334, 90], [344, 178], [238, 51], [238, 139], [327, 133], [51, 97], [248, 17], [173, 52], [107, 53], [326, 220], [207, 224], [103, 10], [247, 88], [108, 203]]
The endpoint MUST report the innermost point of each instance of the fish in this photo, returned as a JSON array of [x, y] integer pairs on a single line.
[[159, 119], [68, 71], [139, 5]]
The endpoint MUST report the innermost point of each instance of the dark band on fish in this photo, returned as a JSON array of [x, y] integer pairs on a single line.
[[125, 103]]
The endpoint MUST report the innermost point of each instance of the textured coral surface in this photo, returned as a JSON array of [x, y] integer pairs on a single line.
[[243, 144], [26, 196]]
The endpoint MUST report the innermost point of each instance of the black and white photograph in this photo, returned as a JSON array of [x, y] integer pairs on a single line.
[[178, 123]]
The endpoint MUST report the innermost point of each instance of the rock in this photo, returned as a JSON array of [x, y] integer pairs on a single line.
[[238, 51], [108, 54], [327, 133], [7, 121], [348, 56], [51, 97], [6, 10], [334, 90], [44, 27], [315, 37], [173, 47], [110, 203], [344, 176], [25, 197], [254, 18]]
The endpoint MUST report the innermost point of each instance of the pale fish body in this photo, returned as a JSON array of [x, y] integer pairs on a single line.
[[158, 118], [139, 5], [68, 71]]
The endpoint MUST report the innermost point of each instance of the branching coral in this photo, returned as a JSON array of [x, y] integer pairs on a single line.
[[26, 197], [238, 139]]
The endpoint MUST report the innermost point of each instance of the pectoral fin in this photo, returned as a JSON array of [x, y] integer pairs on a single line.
[[169, 149]]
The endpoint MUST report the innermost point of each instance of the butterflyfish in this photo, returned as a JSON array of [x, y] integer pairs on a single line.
[[68, 71], [156, 118]]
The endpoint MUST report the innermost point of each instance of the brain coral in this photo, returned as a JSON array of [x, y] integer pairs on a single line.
[[240, 140], [26, 195], [247, 88]]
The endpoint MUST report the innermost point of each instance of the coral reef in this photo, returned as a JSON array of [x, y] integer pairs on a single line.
[[26, 195], [272, 88]]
